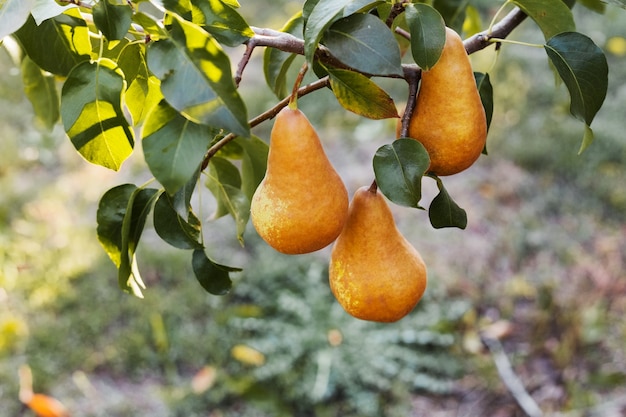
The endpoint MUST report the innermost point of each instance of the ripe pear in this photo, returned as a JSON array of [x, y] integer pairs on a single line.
[[301, 204], [449, 119], [375, 273]]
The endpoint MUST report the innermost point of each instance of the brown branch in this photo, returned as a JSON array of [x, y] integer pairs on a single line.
[[266, 115], [500, 30], [413, 78]]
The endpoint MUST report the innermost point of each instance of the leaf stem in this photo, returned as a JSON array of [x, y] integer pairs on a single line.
[[512, 42]]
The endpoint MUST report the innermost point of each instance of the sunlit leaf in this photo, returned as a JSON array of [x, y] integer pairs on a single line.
[[276, 63], [399, 168], [57, 44], [363, 42], [150, 26], [112, 19], [360, 95], [173, 146], [41, 90], [92, 114], [212, 276], [445, 212], [224, 22], [319, 15], [13, 14], [182, 232], [552, 16], [473, 21], [196, 78], [584, 70], [428, 34], [143, 91]]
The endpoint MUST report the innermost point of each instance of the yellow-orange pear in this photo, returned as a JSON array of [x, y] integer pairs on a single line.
[[449, 119], [301, 204], [375, 273]]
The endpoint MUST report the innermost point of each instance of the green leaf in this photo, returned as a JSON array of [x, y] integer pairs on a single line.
[[253, 164], [552, 16], [196, 78], [222, 172], [143, 92], [233, 199], [276, 63], [319, 15], [139, 206], [92, 114], [45, 10], [121, 216], [453, 12], [182, 232], [223, 22], [57, 44], [399, 168], [40, 88], [173, 146], [13, 14], [584, 70], [428, 34], [360, 6], [113, 20], [444, 212], [358, 94], [150, 26], [485, 89], [363, 42], [212, 276]]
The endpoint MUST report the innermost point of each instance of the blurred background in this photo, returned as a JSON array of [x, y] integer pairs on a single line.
[[539, 272]]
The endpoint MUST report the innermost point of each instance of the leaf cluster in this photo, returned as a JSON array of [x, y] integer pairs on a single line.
[[157, 73]]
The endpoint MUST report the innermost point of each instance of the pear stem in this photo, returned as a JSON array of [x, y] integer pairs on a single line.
[[373, 188], [293, 99]]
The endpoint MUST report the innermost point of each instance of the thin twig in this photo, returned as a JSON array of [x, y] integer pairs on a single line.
[[266, 115], [250, 45], [413, 78], [510, 378]]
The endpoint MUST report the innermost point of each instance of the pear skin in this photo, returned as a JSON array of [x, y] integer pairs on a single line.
[[449, 119], [375, 273], [301, 204]]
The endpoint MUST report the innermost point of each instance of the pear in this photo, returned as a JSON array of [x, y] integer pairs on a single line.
[[449, 119], [375, 273], [301, 204]]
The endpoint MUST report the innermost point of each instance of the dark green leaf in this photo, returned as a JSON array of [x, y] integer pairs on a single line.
[[552, 16], [453, 12], [212, 276], [91, 110], [223, 22], [234, 200], [13, 14], [276, 63], [173, 146], [196, 78], [113, 20], [181, 201], [139, 206], [319, 16], [483, 83], [428, 34], [363, 42], [444, 212], [360, 95], [57, 44], [253, 165], [584, 70], [360, 6], [180, 232], [41, 90], [222, 172], [399, 168], [121, 217]]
